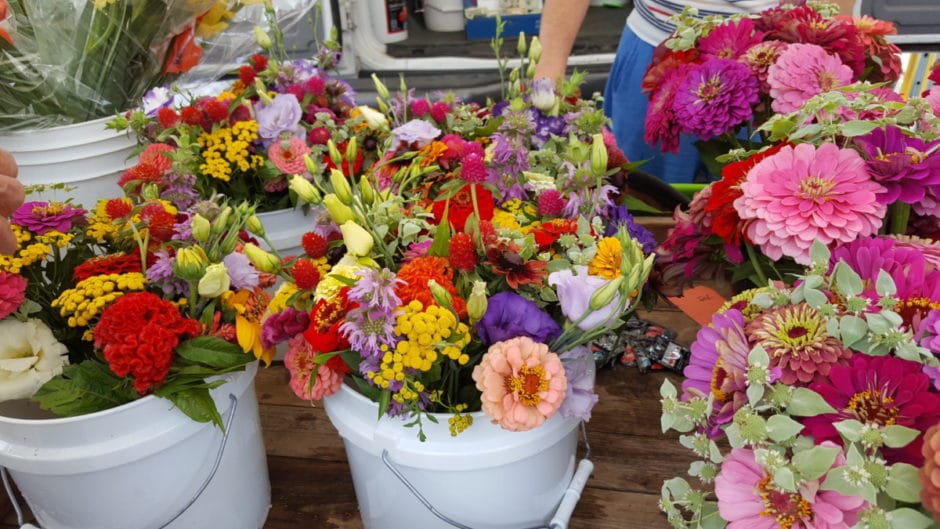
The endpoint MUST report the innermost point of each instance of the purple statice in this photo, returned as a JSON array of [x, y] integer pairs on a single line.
[[179, 189], [414, 135], [619, 216], [715, 96], [904, 165], [160, 273], [730, 40], [43, 217], [283, 326], [580, 397], [243, 275], [546, 127], [509, 315], [157, 98], [282, 115], [370, 327]]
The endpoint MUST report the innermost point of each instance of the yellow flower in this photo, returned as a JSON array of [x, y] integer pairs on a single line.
[[215, 20], [249, 308], [606, 262], [358, 241], [329, 286], [226, 150]]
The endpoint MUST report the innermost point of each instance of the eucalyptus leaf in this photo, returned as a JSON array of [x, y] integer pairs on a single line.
[[877, 323], [819, 253], [667, 390], [758, 356], [897, 436], [884, 285], [847, 280], [754, 393], [815, 298], [851, 429], [785, 479], [852, 329]]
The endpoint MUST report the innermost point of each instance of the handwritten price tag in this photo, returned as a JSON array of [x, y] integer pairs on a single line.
[[699, 303]]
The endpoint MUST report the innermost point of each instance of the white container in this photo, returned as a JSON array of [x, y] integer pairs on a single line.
[[444, 15], [86, 156], [389, 19], [137, 465], [285, 228], [485, 478]]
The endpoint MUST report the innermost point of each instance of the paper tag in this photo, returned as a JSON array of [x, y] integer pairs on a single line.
[[699, 303]]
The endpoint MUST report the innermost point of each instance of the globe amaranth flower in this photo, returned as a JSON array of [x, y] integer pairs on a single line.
[[803, 194], [29, 357], [715, 97], [12, 293], [43, 217], [930, 473], [906, 166], [522, 383], [801, 72], [509, 315], [797, 340], [749, 499], [877, 391], [718, 366]]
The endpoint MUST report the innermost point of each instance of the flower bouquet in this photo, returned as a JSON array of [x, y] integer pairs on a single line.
[[720, 78], [817, 405]]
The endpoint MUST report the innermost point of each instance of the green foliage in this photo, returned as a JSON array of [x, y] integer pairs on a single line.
[[84, 388]]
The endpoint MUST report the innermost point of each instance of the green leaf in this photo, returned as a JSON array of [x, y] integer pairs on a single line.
[[852, 329], [84, 388], [847, 281], [903, 483], [197, 404], [758, 356], [667, 390], [857, 127], [440, 247], [754, 393], [805, 402], [836, 480], [819, 253], [897, 436], [678, 487], [784, 479], [384, 401], [213, 351], [906, 518], [851, 429], [878, 323], [711, 518], [884, 285], [815, 462], [780, 428], [815, 298]]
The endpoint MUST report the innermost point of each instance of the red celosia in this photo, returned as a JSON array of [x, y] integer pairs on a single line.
[[215, 110], [191, 115], [138, 334], [463, 252], [306, 274], [460, 206], [314, 245], [118, 263]]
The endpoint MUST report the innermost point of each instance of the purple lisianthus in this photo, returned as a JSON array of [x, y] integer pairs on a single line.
[[579, 396], [282, 115], [716, 96], [43, 217], [283, 326], [157, 98], [546, 127], [509, 315], [160, 273], [542, 94], [414, 134], [574, 289], [240, 272], [619, 216], [929, 332], [901, 164]]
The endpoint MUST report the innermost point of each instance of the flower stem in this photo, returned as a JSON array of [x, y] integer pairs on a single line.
[[899, 214], [758, 271]]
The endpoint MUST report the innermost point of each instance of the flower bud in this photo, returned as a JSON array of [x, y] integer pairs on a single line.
[[311, 165], [535, 50], [190, 263], [304, 189], [352, 149], [477, 302], [335, 156], [366, 191], [543, 94], [220, 222], [341, 187], [215, 281], [150, 192], [374, 119], [261, 259], [380, 87], [339, 212], [254, 226], [603, 296], [262, 38], [228, 244], [521, 44], [358, 241], [262, 92], [598, 155], [200, 227], [441, 295]]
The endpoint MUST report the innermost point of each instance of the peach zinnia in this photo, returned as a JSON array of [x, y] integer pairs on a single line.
[[522, 383]]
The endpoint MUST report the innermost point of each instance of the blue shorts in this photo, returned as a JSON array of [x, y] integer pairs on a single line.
[[625, 104]]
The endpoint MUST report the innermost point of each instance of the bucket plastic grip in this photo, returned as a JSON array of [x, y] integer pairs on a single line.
[[215, 467], [562, 513]]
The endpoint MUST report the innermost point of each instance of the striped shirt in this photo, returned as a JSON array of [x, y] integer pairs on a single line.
[[649, 19]]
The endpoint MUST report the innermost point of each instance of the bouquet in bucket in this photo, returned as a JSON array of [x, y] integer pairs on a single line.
[[720, 78], [817, 405], [103, 307], [454, 276]]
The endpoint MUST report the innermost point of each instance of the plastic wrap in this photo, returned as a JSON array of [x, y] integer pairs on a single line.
[[68, 61]]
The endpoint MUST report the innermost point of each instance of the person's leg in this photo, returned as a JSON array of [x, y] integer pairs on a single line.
[[625, 104]]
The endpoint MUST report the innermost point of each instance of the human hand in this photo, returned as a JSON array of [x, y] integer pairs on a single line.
[[11, 197]]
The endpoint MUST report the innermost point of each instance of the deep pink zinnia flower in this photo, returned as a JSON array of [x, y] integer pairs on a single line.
[[12, 293], [730, 40], [801, 195], [760, 57], [43, 217], [749, 499], [660, 125], [878, 391], [904, 165], [801, 72], [715, 97]]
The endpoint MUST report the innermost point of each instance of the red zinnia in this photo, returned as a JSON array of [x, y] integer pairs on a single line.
[[138, 334], [460, 206], [325, 319], [550, 231], [167, 117]]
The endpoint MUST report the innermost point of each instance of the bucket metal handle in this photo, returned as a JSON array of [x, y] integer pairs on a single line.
[[562, 514], [215, 467]]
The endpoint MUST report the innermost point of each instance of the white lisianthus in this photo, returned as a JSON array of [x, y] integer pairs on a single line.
[[29, 357]]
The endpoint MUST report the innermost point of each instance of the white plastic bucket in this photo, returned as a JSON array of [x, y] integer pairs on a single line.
[[485, 478], [389, 19], [137, 465], [444, 15], [86, 156], [285, 228]]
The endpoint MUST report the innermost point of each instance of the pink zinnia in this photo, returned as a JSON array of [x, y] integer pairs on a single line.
[[801, 72], [760, 57], [801, 195], [288, 155], [731, 39], [12, 293], [522, 383], [748, 499], [661, 125], [300, 363]]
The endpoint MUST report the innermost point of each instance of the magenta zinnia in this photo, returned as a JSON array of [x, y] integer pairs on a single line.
[[801, 195], [904, 165], [796, 339], [878, 391], [802, 71], [730, 40], [715, 96]]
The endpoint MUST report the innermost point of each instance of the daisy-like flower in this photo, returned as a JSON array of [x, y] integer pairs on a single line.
[[802, 71], [42, 217], [714, 97], [249, 308], [308, 379], [930, 472], [797, 341], [877, 391], [606, 262], [505, 260], [522, 383], [801, 195], [748, 499], [904, 165], [287, 154], [661, 125], [718, 366], [730, 40], [759, 59]]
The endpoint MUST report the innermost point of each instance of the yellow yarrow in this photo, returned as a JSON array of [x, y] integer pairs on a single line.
[[100, 226], [26, 256], [505, 220], [90, 296], [226, 150], [55, 238]]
